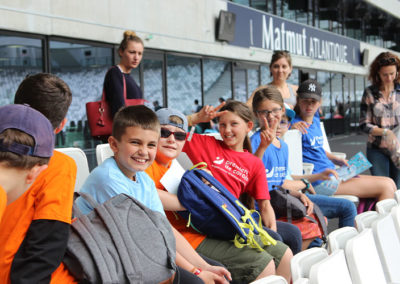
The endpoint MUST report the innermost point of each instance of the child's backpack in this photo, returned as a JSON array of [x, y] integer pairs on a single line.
[[291, 207], [214, 211], [120, 241]]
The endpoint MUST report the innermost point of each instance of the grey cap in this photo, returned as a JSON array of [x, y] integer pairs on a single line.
[[32, 122], [165, 114], [309, 89]]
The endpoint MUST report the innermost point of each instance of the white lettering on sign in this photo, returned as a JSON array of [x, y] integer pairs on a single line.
[[280, 38]]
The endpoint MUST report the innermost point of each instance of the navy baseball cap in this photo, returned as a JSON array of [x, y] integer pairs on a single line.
[[310, 89], [164, 115], [29, 121]]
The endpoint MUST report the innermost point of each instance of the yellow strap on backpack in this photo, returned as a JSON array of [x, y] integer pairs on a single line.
[[199, 166], [265, 237], [238, 241]]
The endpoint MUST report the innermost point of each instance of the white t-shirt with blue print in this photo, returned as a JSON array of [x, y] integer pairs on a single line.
[[274, 159], [313, 150]]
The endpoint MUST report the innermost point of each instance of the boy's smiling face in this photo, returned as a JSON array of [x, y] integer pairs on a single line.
[[136, 149], [169, 147]]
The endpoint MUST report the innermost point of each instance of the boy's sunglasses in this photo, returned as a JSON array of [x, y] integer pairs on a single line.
[[179, 135]]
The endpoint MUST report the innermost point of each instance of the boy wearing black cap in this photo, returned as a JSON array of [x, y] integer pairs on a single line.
[[308, 101], [26, 145]]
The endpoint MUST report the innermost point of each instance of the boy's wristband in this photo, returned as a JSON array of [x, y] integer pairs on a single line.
[[196, 271], [384, 133]]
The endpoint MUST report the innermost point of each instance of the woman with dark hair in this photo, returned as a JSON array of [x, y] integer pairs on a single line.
[[380, 114], [280, 69], [118, 77]]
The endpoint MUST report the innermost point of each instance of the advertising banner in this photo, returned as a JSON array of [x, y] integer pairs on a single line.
[[262, 30]]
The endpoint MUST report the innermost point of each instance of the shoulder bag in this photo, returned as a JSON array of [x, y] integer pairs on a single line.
[[99, 114]]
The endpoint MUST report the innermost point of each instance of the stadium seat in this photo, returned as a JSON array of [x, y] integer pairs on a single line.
[[301, 263], [363, 260], [273, 279], [293, 140], [103, 151], [81, 163], [388, 246], [338, 238], [351, 198], [302, 281], [396, 218], [364, 220], [397, 196], [385, 206], [331, 270]]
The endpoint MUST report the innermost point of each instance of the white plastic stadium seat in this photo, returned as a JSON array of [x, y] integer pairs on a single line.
[[302, 281], [338, 238], [326, 143], [397, 195], [363, 259], [301, 263], [351, 198], [364, 220], [385, 206], [331, 270], [396, 219], [293, 140], [81, 163], [103, 151], [388, 246], [273, 279]]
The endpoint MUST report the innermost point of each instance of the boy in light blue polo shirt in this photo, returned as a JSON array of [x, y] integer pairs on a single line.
[[134, 143]]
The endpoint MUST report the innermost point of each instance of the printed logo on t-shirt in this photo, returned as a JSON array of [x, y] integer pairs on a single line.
[[316, 141], [232, 169], [270, 173], [312, 141], [218, 161], [276, 174]]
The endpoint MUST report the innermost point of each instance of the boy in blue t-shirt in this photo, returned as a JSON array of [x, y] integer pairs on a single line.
[[135, 134], [134, 143]]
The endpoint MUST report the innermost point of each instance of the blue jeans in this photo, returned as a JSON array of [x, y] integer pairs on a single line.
[[333, 207], [291, 235], [382, 165]]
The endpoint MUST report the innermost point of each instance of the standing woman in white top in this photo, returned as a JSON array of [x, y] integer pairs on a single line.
[[281, 69]]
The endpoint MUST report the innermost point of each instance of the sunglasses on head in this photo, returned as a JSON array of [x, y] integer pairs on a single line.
[[387, 61], [179, 135], [281, 51]]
